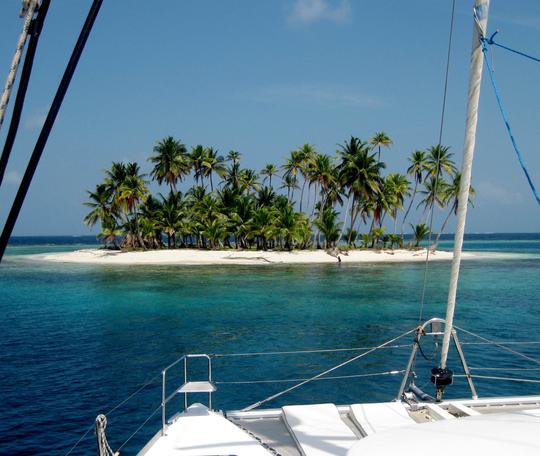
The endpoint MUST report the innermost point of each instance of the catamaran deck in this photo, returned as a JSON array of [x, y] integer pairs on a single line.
[[326, 429]]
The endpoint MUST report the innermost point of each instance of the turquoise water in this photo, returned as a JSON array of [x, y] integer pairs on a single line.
[[79, 339]]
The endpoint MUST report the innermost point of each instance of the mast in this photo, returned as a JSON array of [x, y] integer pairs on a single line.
[[481, 8]]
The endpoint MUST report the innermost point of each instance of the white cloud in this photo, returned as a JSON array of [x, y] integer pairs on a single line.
[[12, 178], [320, 94], [309, 11], [489, 191]]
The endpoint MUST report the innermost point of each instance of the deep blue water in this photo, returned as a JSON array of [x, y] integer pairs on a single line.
[[76, 340]]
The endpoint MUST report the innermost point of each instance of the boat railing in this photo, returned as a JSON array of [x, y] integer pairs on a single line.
[[187, 387]]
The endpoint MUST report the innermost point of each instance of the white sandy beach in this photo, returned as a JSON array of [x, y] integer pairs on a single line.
[[207, 257]]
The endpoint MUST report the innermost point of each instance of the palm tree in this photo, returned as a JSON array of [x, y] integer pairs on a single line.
[[100, 202], [380, 139], [197, 157], [171, 162], [451, 198], [249, 180], [306, 156], [439, 161], [322, 174], [234, 156], [326, 222], [213, 163], [130, 193], [215, 230], [292, 167], [291, 225], [399, 186], [290, 182], [420, 232], [434, 191], [360, 175], [109, 233], [417, 169], [170, 216], [268, 171], [377, 234]]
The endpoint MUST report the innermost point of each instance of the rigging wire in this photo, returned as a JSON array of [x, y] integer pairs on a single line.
[[500, 345], [484, 42], [327, 371], [113, 409], [289, 380], [47, 126], [441, 130], [138, 429], [295, 352], [515, 51], [512, 379], [34, 32]]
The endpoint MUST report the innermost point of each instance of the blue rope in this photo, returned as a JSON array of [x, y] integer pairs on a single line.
[[515, 51], [505, 118]]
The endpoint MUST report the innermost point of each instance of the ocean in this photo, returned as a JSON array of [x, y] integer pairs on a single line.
[[79, 339]]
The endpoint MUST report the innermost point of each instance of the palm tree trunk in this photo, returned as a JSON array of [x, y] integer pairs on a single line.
[[314, 199], [344, 220], [302, 194], [410, 205], [452, 209]]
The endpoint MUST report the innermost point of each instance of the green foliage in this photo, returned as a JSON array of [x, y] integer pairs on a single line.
[[420, 232], [318, 198]]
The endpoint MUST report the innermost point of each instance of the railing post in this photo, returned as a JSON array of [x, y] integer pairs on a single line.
[[210, 380], [464, 364], [185, 381], [163, 402]]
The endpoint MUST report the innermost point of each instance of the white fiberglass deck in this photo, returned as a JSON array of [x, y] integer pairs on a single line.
[[496, 434], [494, 426], [199, 431]]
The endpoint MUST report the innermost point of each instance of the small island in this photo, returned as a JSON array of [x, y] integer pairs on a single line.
[[314, 208]]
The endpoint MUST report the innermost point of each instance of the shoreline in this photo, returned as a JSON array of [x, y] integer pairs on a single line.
[[241, 257]]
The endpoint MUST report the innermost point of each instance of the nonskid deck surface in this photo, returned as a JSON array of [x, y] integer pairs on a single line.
[[319, 429]]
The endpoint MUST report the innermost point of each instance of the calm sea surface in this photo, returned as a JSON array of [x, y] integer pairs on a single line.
[[77, 339]]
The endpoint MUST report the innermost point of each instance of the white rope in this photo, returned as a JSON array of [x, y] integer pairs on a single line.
[[298, 385], [295, 352], [6, 93], [337, 377], [500, 345]]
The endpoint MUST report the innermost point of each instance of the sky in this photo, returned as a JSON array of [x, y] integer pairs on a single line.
[[263, 78]]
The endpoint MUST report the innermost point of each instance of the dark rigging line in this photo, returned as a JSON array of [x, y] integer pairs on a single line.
[[441, 129], [47, 126], [35, 32]]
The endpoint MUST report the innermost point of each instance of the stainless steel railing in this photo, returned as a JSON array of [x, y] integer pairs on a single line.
[[207, 387]]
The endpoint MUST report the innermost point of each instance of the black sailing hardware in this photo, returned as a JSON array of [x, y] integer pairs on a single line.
[[49, 122]]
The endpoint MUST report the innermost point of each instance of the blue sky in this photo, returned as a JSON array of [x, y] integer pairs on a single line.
[[264, 77]]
